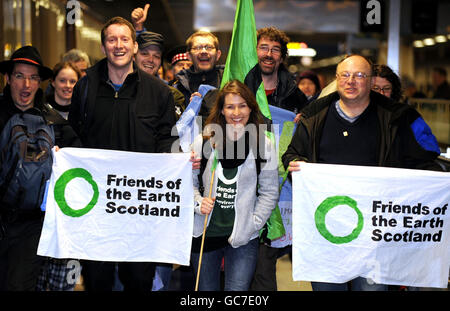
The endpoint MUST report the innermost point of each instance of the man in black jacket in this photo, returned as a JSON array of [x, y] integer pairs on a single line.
[[356, 126], [117, 106], [279, 83], [281, 91], [19, 229], [203, 50]]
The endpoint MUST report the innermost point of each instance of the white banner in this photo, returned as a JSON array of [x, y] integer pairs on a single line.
[[389, 225], [119, 206]]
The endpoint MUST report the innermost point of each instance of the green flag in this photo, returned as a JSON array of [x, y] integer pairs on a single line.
[[242, 53], [242, 57]]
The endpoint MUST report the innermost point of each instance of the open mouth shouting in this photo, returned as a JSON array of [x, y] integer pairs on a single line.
[[25, 96]]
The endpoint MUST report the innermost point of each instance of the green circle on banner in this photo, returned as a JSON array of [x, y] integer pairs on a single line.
[[322, 211], [60, 187]]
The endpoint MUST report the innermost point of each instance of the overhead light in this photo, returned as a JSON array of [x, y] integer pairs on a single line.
[[418, 44], [206, 29], [306, 61], [302, 52], [428, 41], [440, 38], [297, 45]]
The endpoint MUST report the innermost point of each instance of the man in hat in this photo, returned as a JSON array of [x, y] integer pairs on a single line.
[[19, 235], [149, 59], [177, 56], [178, 59], [149, 54], [117, 106]]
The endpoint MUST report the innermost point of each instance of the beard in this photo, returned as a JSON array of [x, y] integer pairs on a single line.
[[267, 70]]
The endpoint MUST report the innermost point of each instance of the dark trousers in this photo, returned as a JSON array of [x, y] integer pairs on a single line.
[[265, 278], [19, 263], [135, 276]]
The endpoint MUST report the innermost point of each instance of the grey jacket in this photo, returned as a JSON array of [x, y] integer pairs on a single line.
[[251, 211]]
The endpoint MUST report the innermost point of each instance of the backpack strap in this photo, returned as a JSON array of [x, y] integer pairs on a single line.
[[8, 176]]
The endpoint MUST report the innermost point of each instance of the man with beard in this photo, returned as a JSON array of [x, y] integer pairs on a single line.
[[281, 91], [279, 83]]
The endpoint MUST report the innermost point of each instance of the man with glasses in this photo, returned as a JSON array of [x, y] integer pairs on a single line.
[[279, 83], [204, 53], [20, 232], [281, 91], [356, 126]]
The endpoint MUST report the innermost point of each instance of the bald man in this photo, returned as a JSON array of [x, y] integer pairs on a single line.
[[356, 126]]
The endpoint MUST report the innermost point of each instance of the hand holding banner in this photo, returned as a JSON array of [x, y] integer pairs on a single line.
[[119, 206], [387, 224]]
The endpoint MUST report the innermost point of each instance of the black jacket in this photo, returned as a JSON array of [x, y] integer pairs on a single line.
[[139, 117], [188, 81], [397, 146], [287, 95]]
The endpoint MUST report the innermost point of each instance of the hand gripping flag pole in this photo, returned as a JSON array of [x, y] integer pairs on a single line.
[[213, 170]]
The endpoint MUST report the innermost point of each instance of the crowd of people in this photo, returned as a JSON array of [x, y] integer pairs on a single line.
[[122, 103]]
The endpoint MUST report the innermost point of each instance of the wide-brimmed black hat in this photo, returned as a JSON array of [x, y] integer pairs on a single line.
[[26, 55], [147, 38]]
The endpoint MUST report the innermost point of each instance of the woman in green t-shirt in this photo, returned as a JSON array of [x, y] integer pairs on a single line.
[[244, 189]]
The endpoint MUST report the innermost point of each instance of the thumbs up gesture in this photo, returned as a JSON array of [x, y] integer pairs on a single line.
[[139, 16]]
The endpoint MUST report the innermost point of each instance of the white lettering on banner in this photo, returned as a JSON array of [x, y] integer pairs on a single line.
[[344, 231]]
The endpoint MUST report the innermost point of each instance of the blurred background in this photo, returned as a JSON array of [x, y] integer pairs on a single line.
[[411, 36]]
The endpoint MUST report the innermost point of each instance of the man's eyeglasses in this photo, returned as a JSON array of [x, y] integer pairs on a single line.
[[200, 48], [359, 76], [20, 76], [383, 90], [275, 50]]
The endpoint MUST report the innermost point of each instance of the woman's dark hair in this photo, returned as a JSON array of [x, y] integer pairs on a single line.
[[238, 88], [384, 71]]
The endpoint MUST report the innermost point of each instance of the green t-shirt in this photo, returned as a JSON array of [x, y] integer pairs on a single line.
[[222, 217]]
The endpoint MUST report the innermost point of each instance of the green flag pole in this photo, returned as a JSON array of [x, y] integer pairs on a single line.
[[242, 57]]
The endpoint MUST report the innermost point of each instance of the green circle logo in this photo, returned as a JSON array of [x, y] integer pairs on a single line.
[[60, 187], [325, 207]]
